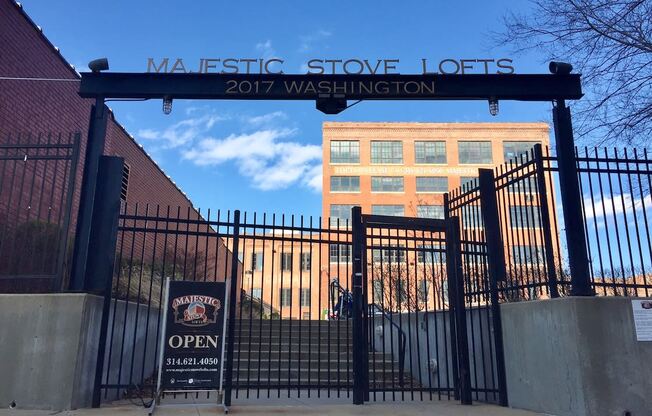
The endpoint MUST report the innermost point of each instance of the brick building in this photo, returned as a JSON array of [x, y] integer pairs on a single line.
[[39, 106]]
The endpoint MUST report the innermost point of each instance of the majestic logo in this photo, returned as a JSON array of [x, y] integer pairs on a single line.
[[195, 310]]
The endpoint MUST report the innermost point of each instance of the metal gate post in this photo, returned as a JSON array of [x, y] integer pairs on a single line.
[[571, 199], [94, 149], [546, 224], [228, 382], [451, 306], [496, 268], [101, 253], [457, 307], [360, 381]]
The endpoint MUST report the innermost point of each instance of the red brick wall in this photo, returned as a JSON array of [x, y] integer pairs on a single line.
[[42, 107]]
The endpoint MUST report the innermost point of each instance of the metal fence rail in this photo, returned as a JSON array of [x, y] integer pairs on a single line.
[[37, 181]]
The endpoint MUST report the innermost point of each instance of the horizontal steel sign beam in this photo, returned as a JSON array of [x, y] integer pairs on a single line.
[[522, 87]]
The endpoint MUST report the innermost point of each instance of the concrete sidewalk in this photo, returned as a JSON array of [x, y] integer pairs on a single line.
[[434, 408]]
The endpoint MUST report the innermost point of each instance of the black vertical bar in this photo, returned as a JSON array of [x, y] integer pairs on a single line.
[[94, 149], [456, 290], [496, 263], [232, 300], [359, 337], [102, 245], [571, 199], [63, 242], [546, 227]]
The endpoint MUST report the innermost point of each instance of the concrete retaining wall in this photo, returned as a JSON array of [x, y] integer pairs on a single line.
[[576, 356], [428, 352], [49, 343]]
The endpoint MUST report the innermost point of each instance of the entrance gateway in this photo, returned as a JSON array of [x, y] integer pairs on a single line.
[[401, 325]]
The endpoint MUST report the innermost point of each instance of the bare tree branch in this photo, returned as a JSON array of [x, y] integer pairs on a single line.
[[610, 43]]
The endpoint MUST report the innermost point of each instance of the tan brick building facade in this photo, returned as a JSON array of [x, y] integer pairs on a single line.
[[434, 158]]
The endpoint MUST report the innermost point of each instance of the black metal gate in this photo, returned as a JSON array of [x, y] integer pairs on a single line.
[[374, 311], [409, 300]]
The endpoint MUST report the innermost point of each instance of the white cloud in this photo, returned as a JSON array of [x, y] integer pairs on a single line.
[[265, 119], [261, 156], [307, 41], [181, 133], [608, 207], [266, 49]]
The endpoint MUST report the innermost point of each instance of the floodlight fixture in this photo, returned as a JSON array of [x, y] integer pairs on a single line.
[[560, 68], [97, 65]]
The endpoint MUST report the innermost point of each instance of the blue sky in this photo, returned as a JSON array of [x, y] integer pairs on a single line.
[[265, 156]]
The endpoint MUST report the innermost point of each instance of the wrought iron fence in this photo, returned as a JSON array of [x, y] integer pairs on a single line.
[[37, 182], [616, 203]]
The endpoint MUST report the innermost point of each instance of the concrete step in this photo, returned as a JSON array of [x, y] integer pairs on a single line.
[[314, 354], [295, 338], [313, 373], [282, 364]]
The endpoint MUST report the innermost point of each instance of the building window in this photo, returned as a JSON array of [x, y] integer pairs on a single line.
[[386, 184], [345, 151], [388, 255], [429, 254], [256, 293], [305, 297], [286, 262], [472, 216], [430, 152], [423, 290], [432, 184], [339, 253], [516, 150], [256, 261], [396, 210], [389, 152], [345, 184], [524, 216], [430, 211], [469, 182], [474, 152], [124, 187], [286, 297], [527, 254], [305, 262], [340, 215]]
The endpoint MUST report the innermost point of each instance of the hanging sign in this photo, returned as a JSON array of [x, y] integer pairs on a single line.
[[194, 336]]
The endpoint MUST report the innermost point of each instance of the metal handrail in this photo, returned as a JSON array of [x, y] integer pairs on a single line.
[[402, 339]]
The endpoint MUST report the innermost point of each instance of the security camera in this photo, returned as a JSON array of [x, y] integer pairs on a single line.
[[98, 65], [560, 68]]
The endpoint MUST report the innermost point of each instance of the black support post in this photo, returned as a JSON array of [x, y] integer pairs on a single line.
[[571, 199], [457, 307], [94, 149], [101, 251], [496, 268], [359, 329], [546, 223], [228, 382]]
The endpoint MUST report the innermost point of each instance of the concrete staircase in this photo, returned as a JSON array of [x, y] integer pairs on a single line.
[[302, 354]]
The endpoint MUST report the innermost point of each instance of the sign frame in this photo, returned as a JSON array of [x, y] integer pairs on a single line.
[[162, 348]]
